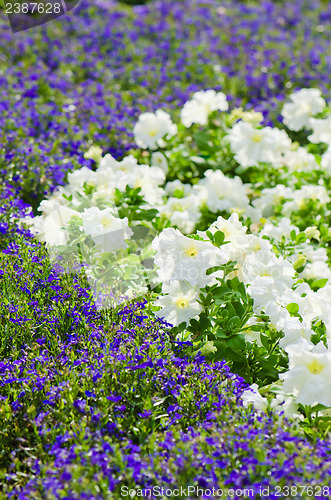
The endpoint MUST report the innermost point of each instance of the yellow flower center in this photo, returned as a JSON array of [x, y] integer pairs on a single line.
[[191, 252], [181, 302], [106, 222], [315, 367], [153, 132], [256, 138], [177, 207]]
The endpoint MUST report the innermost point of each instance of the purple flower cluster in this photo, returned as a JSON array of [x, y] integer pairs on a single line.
[[87, 76]]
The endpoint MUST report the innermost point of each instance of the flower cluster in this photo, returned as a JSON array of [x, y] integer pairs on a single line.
[[285, 303], [212, 204]]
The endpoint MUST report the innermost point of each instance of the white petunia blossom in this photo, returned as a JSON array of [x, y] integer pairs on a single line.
[[255, 145], [181, 258], [281, 403], [50, 227], [159, 160], [151, 128], [296, 333], [309, 376], [202, 104], [220, 193], [233, 230], [326, 161], [106, 230], [304, 104], [276, 232], [84, 175], [321, 130], [180, 302], [182, 212], [300, 161]]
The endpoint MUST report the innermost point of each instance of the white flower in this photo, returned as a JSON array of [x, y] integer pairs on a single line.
[[50, 227], [84, 175], [305, 104], [252, 146], [94, 153], [309, 376], [148, 179], [151, 128], [201, 105], [233, 230], [296, 333], [252, 396], [316, 270], [271, 197], [326, 161], [159, 160], [283, 228], [221, 193], [106, 230], [300, 161], [300, 196], [262, 290], [180, 304], [177, 188], [281, 404], [321, 130], [182, 212], [181, 258]]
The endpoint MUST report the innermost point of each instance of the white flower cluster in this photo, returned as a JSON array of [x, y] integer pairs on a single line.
[[279, 283]]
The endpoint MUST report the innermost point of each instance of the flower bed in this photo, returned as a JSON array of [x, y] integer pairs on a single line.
[[173, 320]]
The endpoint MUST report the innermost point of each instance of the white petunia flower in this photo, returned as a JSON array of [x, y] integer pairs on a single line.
[[252, 396], [300, 161], [309, 376], [106, 230], [321, 130], [182, 212], [283, 228], [281, 403], [326, 161], [202, 104], [160, 161], [50, 227], [252, 146], [181, 258], [180, 302], [148, 179], [151, 128], [220, 193], [304, 104], [84, 175], [296, 333], [301, 196], [270, 197], [177, 188], [233, 230]]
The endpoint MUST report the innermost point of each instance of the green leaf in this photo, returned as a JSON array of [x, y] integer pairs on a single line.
[[319, 283], [292, 308], [219, 292], [219, 238]]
